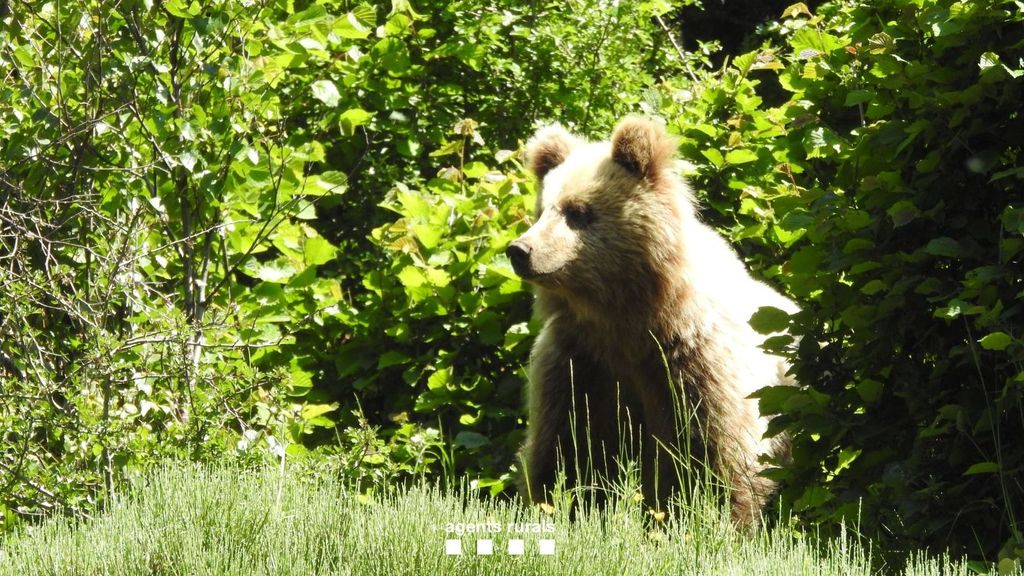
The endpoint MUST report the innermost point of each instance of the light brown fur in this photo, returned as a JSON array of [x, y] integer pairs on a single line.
[[626, 275]]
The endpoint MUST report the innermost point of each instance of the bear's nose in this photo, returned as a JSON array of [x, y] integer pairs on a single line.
[[519, 254]]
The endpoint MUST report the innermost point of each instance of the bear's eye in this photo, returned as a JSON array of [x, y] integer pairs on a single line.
[[577, 215]]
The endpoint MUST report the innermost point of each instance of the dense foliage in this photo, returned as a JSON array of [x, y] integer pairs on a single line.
[[254, 227], [257, 227], [890, 179]]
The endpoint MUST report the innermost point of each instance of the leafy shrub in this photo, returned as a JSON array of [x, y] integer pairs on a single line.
[[195, 205], [152, 209], [888, 182]]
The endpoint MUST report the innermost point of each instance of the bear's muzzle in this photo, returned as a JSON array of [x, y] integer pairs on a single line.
[[518, 253]]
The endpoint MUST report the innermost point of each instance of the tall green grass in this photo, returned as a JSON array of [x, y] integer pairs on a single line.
[[221, 521]]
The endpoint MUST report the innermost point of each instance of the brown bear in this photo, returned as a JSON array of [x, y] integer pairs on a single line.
[[645, 313]]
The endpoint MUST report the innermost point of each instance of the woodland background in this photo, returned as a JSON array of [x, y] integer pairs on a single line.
[[257, 230]]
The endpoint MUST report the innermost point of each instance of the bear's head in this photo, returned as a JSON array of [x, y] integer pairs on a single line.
[[609, 215]]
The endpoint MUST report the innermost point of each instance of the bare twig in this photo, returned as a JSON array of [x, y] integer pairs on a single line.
[[683, 57]]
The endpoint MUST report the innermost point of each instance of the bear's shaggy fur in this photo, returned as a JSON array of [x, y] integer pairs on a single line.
[[642, 305]]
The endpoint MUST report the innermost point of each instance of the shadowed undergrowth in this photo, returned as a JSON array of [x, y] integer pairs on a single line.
[[221, 521]]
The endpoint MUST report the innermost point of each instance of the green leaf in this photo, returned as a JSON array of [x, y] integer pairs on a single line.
[[874, 287], [326, 92], [821, 142], [311, 411], [453, 147], [769, 319], [277, 271], [1008, 565], [365, 14], [411, 277], [470, 439], [25, 56], [502, 156], [944, 246], [855, 97], [794, 10], [859, 317], [393, 55], [740, 156], [955, 308], [903, 212], [773, 399], [301, 380], [408, 147], [404, 7], [996, 341], [438, 277], [428, 234], [330, 182], [312, 15], [988, 60], [317, 251], [855, 219], [930, 162], [352, 118], [391, 358], [806, 260], [846, 457], [351, 27], [813, 497], [439, 379], [811, 39], [881, 43], [714, 156], [744, 61], [982, 468], [177, 8], [857, 245], [869, 390], [311, 151]]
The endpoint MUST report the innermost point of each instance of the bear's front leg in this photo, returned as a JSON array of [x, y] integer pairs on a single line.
[[573, 420]]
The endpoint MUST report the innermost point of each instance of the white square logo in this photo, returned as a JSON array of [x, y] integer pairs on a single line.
[[484, 547], [516, 547], [453, 547], [546, 547]]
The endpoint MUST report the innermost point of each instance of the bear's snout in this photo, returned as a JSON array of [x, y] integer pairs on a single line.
[[518, 253]]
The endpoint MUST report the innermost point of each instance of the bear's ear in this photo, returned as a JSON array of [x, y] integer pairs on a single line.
[[643, 147], [548, 148]]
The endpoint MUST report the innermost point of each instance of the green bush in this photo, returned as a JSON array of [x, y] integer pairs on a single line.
[[220, 224], [885, 171], [152, 210]]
